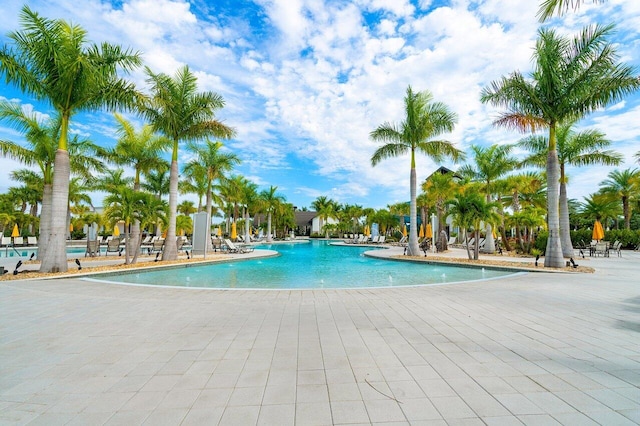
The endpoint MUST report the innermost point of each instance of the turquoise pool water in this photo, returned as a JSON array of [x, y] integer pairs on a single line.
[[27, 251], [308, 266]]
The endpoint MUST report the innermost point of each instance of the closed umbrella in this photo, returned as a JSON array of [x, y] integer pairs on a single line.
[[71, 227], [421, 234], [234, 232], [429, 231], [404, 230], [219, 231], [16, 232], [598, 231], [116, 231]]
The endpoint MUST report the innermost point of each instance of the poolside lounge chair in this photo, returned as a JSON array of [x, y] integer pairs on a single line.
[[113, 246], [452, 240], [18, 241], [381, 239], [6, 241], [233, 248], [93, 248], [32, 241], [157, 246], [375, 239]]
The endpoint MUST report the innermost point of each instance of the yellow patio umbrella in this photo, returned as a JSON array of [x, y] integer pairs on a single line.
[[598, 231], [234, 232], [429, 232], [116, 231], [366, 231], [71, 227], [404, 229], [16, 232], [421, 233], [219, 231]]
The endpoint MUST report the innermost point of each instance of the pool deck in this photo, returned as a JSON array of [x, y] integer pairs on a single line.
[[539, 348]]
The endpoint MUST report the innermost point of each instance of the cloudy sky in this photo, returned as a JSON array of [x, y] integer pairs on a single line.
[[306, 81]]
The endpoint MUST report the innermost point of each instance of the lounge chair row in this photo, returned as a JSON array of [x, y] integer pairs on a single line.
[[18, 241], [364, 239]]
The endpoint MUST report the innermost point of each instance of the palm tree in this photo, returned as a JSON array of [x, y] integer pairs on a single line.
[[151, 211], [548, 8], [250, 202], [490, 164], [271, 199], [124, 204], [469, 209], [584, 148], [140, 150], [326, 209], [625, 186], [516, 187], [181, 113], [600, 207], [42, 139], [425, 119], [187, 208], [213, 165], [571, 79], [441, 187], [50, 60]]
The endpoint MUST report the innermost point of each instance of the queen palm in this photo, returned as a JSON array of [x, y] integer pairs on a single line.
[[181, 113], [425, 119], [625, 186], [51, 60], [212, 164], [271, 199], [571, 79], [585, 148]]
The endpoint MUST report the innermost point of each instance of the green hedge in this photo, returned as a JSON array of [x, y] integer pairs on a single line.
[[630, 239]]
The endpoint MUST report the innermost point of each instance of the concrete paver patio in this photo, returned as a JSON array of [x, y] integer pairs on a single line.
[[539, 348]]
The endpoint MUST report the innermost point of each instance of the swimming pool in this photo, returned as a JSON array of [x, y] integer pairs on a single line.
[[308, 266], [27, 251]]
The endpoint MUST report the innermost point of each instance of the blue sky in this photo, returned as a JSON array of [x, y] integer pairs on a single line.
[[305, 81]]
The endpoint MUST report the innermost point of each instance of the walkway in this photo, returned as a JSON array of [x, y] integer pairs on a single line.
[[536, 349]]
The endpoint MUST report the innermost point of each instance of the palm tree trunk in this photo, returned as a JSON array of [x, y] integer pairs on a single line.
[[55, 257], [476, 243], [489, 241], [553, 255], [138, 246], [466, 243], [269, 239], [413, 249], [45, 221], [565, 225], [127, 237], [627, 212], [170, 251]]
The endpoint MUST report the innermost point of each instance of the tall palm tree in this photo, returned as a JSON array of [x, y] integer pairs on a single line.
[[213, 165], [51, 60], [441, 187], [600, 207], [469, 209], [548, 8], [425, 119], [157, 182], [571, 78], [584, 148], [271, 199], [181, 113], [490, 164], [516, 187], [42, 139], [625, 186]]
